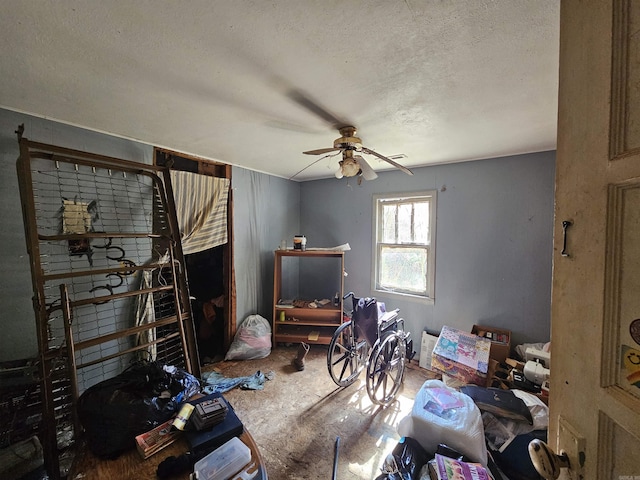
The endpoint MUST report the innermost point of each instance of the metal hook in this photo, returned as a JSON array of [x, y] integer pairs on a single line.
[[120, 277], [120, 249], [102, 287], [128, 263], [108, 247]]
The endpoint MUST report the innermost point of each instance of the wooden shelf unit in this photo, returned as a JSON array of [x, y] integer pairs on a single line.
[[302, 324]]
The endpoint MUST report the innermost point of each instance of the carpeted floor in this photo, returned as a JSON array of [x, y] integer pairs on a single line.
[[296, 418]]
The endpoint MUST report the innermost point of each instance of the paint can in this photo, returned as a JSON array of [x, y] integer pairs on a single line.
[[183, 416]]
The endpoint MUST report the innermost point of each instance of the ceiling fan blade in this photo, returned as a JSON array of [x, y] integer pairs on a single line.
[[367, 172], [388, 160], [310, 165], [305, 101], [320, 151]]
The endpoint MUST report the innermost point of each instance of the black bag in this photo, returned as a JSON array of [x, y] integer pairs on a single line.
[[501, 403], [405, 461], [142, 397]]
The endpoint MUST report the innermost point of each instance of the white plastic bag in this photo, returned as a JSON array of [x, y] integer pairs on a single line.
[[539, 411], [457, 424], [252, 340]]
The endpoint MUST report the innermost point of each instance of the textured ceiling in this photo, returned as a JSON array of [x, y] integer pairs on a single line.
[[248, 82]]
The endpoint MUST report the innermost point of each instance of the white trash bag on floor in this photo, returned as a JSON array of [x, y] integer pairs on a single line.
[[252, 340], [441, 414]]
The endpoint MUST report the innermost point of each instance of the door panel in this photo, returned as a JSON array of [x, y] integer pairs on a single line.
[[622, 308], [625, 112], [595, 299]]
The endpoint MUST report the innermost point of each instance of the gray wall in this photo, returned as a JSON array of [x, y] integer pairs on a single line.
[[493, 241], [493, 245], [266, 210]]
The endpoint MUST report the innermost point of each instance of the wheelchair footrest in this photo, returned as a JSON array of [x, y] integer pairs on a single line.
[[410, 352]]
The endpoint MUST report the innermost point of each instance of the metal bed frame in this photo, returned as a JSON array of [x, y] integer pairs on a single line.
[[108, 278]]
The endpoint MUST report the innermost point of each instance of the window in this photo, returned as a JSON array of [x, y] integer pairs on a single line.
[[404, 255]]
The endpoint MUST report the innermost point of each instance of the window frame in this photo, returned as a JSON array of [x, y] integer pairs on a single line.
[[428, 296]]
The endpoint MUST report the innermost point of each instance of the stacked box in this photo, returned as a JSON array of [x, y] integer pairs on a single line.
[[461, 355], [202, 442], [209, 412], [151, 442], [426, 349], [500, 341]]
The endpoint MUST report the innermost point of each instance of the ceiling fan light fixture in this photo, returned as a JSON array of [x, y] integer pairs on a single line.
[[349, 167], [338, 173]]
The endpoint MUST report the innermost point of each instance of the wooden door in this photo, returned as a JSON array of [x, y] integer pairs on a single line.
[[595, 331]]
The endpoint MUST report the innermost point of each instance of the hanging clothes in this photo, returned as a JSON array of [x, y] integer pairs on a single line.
[[201, 208]]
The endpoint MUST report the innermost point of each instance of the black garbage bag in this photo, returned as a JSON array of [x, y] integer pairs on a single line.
[[405, 461], [114, 411]]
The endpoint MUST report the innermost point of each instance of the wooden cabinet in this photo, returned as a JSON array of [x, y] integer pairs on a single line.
[[307, 278]]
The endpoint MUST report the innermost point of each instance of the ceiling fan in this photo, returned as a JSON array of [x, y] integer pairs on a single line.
[[352, 165]]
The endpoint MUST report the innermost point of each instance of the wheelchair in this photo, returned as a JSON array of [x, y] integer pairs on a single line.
[[374, 339]]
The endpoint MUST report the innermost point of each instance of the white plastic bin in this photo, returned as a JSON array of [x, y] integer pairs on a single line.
[[224, 462]]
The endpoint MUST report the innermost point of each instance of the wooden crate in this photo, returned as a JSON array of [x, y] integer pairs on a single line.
[[500, 341]]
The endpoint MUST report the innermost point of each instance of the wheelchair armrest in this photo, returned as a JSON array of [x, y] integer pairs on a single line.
[[389, 316]]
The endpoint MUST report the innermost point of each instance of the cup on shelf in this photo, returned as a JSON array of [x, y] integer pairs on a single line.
[[300, 242]]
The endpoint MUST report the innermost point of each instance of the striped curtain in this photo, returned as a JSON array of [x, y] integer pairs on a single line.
[[201, 208]]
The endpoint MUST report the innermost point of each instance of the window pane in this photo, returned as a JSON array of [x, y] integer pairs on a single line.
[[403, 269], [421, 223], [405, 218], [388, 224]]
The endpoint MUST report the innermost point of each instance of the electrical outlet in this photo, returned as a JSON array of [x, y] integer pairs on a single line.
[[571, 443]]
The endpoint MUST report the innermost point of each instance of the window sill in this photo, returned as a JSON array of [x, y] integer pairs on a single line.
[[405, 297]]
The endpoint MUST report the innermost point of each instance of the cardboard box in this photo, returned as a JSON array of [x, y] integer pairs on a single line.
[[513, 363], [461, 355], [426, 349], [500, 341], [151, 442]]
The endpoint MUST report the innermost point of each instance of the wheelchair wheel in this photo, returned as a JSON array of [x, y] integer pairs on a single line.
[[385, 368], [346, 356]]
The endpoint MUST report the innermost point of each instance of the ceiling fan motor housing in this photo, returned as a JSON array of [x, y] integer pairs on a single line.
[[348, 140], [348, 143]]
